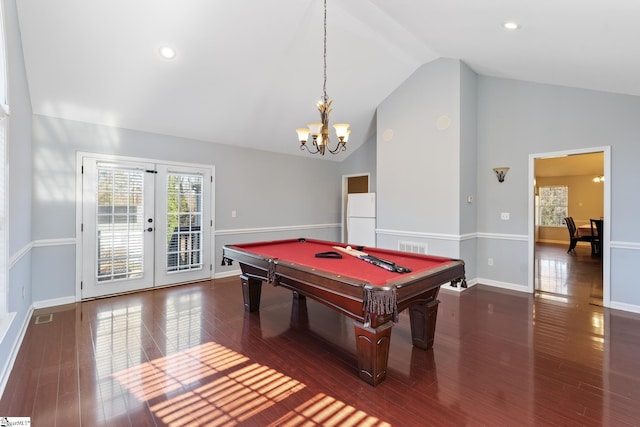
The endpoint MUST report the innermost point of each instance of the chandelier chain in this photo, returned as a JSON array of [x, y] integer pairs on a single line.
[[324, 86]]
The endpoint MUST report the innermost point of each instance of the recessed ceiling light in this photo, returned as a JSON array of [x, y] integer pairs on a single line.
[[510, 25], [167, 52]]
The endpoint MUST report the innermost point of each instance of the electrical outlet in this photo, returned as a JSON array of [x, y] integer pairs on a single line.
[[234, 214], [504, 216], [490, 261]]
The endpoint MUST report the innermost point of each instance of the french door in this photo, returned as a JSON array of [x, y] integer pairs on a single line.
[[143, 225]]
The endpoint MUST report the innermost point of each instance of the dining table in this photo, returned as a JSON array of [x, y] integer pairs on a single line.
[[585, 230]]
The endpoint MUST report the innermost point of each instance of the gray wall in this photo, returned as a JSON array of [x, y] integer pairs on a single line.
[[421, 170], [275, 196], [468, 168], [362, 161], [516, 119], [425, 175], [19, 189]]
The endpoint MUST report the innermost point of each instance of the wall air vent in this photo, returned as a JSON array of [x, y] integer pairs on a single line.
[[413, 247]]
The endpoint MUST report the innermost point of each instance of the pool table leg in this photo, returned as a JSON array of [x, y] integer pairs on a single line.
[[299, 313], [251, 289], [373, 351], [423, 323]]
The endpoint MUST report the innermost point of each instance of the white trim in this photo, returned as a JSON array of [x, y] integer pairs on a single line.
[[635, 246], [113, 157], [78, 224], [434, 236], [625, 307], [13, 260], [41, 243], [453, 237], [4, 181], [468, 236], [498, 236], [226, 274], [606, 253], [503, 285], [458, 290], [13, 351], [235, 231], [54, 302]]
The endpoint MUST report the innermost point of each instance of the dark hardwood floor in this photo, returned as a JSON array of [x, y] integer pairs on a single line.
[[190, 355]]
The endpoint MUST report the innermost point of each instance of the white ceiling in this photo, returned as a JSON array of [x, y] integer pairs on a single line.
[[248, 72], [577, 164]]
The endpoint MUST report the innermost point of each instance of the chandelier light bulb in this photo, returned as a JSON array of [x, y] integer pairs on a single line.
[[315, 129], [341, 130], [303, 134]]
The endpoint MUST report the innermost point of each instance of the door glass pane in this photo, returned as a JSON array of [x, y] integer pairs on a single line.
[[120, 223], [184, 222]]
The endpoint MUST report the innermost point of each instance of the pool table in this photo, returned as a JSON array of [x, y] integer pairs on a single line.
[[371, 295]]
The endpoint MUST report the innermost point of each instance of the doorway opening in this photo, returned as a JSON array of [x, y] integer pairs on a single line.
[[357, 183], [570, 184]]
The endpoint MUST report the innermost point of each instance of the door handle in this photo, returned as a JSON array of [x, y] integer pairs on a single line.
[[149, 229]]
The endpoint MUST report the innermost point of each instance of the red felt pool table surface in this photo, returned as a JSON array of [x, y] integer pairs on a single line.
[[303, 251], [371, 295]]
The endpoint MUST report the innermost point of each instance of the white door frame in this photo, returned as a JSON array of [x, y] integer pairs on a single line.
[[110, 157], [606, 255]]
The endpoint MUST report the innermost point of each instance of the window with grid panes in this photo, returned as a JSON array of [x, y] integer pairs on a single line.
[[554, 205]]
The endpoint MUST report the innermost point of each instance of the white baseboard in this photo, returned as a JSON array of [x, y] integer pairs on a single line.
[[458, 290], [54, 302], [625, 307], [230, 273], [13, 352], [503, 285]]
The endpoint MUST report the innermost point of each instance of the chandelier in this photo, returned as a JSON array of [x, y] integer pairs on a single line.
[[320, 130]]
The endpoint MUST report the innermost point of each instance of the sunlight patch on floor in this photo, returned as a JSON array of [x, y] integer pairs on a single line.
[[214, 385]]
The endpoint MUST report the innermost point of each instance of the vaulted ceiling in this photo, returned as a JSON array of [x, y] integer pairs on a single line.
[[248, 72]]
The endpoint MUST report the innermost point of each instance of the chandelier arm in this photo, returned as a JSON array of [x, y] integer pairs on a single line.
[[340, 147], [303, 146]]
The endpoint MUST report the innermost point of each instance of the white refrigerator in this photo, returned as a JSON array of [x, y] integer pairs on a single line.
[[361, 219]]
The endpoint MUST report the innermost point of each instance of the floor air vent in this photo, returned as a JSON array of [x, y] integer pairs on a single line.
[[44, 318], [413, 247]]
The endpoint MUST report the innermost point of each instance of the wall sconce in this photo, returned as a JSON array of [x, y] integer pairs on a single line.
[[501, 173]]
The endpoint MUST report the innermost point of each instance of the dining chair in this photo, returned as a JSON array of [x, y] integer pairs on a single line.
[[596, 237], [573, 235]]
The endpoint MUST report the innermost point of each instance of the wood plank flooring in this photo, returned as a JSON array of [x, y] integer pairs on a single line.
[[190, 355]]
